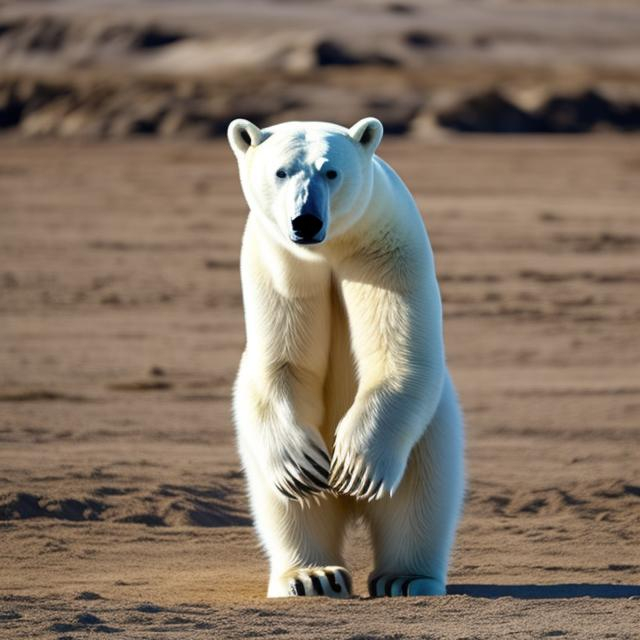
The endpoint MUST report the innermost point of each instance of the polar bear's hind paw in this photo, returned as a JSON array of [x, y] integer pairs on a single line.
[[391, 585], [334, 582]]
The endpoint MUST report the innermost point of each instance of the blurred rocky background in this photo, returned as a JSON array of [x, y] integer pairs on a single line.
[[112, 69]]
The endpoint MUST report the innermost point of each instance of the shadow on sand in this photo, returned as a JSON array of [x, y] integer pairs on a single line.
[[544, 591]]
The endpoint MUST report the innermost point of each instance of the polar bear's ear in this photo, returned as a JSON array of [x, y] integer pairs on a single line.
[[368, 132], [243, 134]]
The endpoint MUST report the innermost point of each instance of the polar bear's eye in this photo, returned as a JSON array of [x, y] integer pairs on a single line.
[[331, 174], [281, 173]]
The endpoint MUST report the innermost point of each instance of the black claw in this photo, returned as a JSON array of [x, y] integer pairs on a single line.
[[321, 470], [317, 585], [302, 487], [291, 488], [405, 586], [335, 585], [347, 580], [308, 475], [387, 587], [299, 587], [285, 493], [314, 479], [320, 484], [373, 583], [322, 453]]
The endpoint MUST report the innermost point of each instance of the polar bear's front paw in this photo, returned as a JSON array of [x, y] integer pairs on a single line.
[[301, 472], [363, 477], [334, 582], [393, 585]]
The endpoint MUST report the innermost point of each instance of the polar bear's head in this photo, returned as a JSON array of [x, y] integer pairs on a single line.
[[307, 181]]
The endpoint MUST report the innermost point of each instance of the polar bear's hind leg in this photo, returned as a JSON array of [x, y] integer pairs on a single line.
[[303, 541], [414, 530]]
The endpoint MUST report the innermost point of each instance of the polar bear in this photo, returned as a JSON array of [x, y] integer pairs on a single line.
[[343, 404]]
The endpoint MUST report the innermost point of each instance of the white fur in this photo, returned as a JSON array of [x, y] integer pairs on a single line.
[[344, 355]]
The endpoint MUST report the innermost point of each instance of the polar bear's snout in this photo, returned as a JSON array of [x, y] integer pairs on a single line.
[[307, 228], [309, 224]]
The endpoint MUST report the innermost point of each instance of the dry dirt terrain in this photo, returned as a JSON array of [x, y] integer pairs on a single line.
[[122, 508]]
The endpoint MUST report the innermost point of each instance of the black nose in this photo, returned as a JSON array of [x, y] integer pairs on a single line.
[[306, 227]]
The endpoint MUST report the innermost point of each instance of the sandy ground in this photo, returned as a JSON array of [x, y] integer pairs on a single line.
[[122, 507]]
